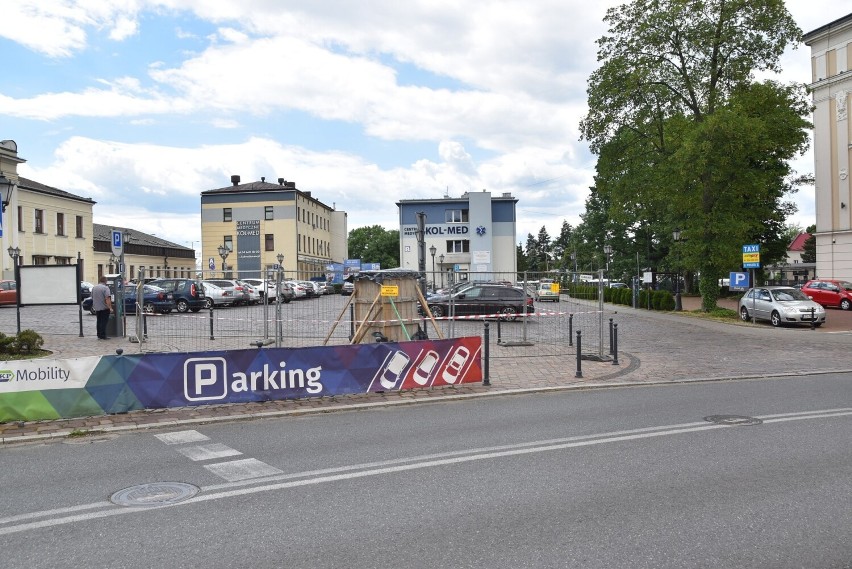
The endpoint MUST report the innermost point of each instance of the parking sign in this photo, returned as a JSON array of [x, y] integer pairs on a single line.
[[739, 281]]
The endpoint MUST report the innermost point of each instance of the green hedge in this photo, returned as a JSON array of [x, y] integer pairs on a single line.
[[659, 299]]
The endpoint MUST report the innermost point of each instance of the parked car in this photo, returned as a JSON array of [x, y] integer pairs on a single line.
[[617, 285], [312, 289], [189, 296], [547, 291], [780, 305], [154, 299], [238, 292], [8, 292], [299, 291], [85, 289], [485, 300], [830, 292], [253, 292], [347, 289]]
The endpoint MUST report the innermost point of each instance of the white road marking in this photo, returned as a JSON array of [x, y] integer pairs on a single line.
[[182, 437], [208, 452], [242, 469]]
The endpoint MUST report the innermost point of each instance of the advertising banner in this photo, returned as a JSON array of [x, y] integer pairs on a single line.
[[52, 389]]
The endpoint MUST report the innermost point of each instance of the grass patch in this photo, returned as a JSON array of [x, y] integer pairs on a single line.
[[718, 314], [79, 433], [32, 356]]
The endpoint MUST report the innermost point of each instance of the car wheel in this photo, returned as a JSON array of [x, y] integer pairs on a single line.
[[744, 314], [93, 311], [437, 311], [182, 305], [775, 318], [510, 314], [208, 303], [286, 299], [845, 304], [148, 309]]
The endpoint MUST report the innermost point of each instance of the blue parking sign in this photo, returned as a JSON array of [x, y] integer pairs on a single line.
[[739, 281]]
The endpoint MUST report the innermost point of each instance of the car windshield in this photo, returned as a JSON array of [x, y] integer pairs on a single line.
[[789, 295]]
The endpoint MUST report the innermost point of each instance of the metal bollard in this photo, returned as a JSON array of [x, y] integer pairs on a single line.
[[487, 354], [813, 318], [144, 325], [571, 329], [351, 322], [499, 332], [615, 344], [579, 354], [211, 324], [610, 335]]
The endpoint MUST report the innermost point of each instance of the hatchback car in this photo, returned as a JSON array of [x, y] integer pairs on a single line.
[[188, 295], [154, 299], [238, 292], [8, 292], [780, 305], [347, 288], [492, 300], [830, 292], [547, 291]]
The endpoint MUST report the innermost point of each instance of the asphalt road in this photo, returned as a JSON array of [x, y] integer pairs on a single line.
[[627, 477]]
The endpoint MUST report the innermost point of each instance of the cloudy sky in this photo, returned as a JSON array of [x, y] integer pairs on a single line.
[[143, 104]]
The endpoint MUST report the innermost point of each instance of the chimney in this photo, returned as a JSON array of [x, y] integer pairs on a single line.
[[281, 181], [235, 179], [263, 180]]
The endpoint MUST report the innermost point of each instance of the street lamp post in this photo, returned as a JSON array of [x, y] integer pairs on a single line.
[[678, 303], [15, 253], [441, 264], [608, 253], [432, 251], [223, 252]]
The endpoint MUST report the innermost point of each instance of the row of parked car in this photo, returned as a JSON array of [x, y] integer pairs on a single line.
[[186, 295]]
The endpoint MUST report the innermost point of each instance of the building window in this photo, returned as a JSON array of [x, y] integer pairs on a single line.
[[461, 246], [60, 223], [40, 260], [132, 272], [229, 242], [267, 213], [455, 216], [80, 226], [39, 221], [269, 242], [226, 214], [20, 218]]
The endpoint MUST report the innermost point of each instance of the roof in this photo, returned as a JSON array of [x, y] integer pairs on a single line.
[[104, 233], [798, 243], [33, 186], [262, 186], [822, 29]]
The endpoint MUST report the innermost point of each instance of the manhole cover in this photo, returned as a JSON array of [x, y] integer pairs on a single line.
[[154, 494], [733, 420]]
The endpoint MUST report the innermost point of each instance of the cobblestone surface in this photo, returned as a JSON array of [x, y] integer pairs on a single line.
[[653, 348]]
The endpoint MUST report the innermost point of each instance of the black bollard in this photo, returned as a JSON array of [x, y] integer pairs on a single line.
[[211, 324], [499, 331], [813, 318], [571, 329], [486, 355], [351, 321], [610, 335], [615, 344], [579, 354]]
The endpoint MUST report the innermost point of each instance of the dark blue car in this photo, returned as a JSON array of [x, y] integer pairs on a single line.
[[154, 299]]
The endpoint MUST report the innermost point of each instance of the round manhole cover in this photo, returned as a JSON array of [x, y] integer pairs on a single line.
[[154, 494], [733, 420]]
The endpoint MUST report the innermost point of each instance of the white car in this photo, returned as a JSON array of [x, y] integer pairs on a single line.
[[253, 291], [299, 291]]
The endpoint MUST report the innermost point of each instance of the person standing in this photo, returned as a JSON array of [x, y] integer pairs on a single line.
[[102, 305]]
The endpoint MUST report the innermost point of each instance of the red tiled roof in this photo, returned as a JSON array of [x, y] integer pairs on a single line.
[[798, 243]]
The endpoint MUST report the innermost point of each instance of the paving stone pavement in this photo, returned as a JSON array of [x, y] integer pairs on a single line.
[[653, 347]]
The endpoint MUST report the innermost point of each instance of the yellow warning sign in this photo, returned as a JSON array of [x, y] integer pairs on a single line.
[[751, 257], [390, 290]]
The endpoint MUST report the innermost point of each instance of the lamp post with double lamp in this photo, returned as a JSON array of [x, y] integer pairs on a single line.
[[441, 264], [223, 252], [279, 325], [678, 304], [15, 253], [432, 251], [608, 253]]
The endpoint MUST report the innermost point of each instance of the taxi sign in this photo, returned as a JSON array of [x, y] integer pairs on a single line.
[[390, 290], [751, 256]]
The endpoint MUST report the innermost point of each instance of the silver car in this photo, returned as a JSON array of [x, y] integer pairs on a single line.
[[780, 305]]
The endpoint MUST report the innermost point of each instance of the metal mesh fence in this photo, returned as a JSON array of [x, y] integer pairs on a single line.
[[329, 319]]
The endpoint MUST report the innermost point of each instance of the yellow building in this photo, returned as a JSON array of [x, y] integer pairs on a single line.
[[48, 226], [254, 223], [160, 258]]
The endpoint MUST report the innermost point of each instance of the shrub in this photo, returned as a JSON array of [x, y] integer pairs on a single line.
[[25, 343]]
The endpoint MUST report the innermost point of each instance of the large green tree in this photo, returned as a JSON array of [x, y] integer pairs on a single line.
[[375, 244], [687, 138]]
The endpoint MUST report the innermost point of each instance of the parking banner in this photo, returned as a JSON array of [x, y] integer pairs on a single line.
[[52, 389]]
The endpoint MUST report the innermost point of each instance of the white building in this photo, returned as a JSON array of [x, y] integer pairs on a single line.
[[831, 84]]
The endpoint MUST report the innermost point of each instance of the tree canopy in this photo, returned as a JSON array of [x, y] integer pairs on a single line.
[[686, 137], [375, 244]]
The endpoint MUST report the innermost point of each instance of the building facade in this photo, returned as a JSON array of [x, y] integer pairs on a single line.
[[158, 257], [474, 233], [255, 222], [831, 85]]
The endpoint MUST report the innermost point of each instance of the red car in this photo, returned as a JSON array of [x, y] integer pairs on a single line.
[[8, 292], [830, 292]]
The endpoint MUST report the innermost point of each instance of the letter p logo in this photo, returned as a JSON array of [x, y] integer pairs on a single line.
[[205, 379]]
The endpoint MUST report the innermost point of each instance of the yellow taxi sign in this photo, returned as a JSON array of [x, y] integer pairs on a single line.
[[390, 290]]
